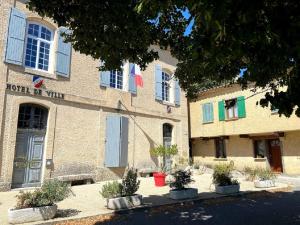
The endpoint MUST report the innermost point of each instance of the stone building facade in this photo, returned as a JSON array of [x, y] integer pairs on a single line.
[[227, 125], [61, 118]]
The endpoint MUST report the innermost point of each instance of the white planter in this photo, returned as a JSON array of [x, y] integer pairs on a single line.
[[264, 183], [225, 190], [124, 202], [16, 216], [184, 194]]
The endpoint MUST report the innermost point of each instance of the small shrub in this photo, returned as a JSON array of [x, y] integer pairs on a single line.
[[162, 151], [251, 173], [51, 192], [111, 190], [130, 183], [222, 175], [181, 179], [265, 174]]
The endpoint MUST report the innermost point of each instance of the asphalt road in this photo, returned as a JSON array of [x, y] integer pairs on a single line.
[[276, 209]]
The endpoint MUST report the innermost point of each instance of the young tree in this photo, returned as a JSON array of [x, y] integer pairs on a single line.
[[211, 39]]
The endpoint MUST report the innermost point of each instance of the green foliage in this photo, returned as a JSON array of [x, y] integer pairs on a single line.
[[162, 151], [51, 192], [181, 179], [222, 175], [130, 184], [265, 174], [111, 190], [225, 36]]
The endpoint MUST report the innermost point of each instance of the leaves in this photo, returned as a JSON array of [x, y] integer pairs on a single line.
[[226, 36]]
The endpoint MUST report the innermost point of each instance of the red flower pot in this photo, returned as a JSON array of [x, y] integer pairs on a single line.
[[159, 179]]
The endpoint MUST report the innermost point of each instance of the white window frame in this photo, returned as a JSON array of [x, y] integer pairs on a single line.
[[39, 39], [170, 87], [233, 110], [125, 71]]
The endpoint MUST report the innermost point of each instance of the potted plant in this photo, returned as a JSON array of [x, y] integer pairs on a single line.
[[265, 178], [222, 178], [179, 189], [40, 203], [122, 195], [162, 152], [250, 173]]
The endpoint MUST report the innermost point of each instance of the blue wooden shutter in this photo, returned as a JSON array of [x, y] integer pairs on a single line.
[[124, 142], [104, 77], [207, 112], [131, 80], [241, 107], [112, 145], [177, 93], [63, 54], [15, 37], [204, 113], [158, 82]]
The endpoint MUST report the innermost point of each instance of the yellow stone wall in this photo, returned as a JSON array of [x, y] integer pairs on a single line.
[[258, 122]]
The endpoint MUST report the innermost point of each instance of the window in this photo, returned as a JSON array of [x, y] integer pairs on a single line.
[[32, 117], [208, 113], [231, 107], [260, 148], [38, 47], [220, 148], [166, 86], [116, 79]]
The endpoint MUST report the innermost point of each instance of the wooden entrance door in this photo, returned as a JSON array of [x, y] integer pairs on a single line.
[[275, 155], [28, 161]]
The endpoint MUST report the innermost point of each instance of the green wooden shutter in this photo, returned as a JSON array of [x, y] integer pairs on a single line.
[[221, 105], [241, 107]]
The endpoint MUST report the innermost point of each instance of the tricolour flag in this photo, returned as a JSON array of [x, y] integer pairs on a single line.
[[136, 72], [37, 81]]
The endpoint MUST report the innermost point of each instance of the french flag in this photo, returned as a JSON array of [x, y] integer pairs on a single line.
[[136, 72], [37, 81]]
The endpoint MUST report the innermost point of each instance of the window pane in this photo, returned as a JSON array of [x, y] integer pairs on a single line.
[[46, 34], [220, 148], [31, 53], [44, 56], [165, 86], [116, 79], [260, 148], [33, 29]]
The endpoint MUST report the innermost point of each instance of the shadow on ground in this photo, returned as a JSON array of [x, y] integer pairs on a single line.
[[66, 213], [256, 208]]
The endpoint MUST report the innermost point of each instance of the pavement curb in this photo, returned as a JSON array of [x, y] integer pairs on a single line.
[[208, 200]]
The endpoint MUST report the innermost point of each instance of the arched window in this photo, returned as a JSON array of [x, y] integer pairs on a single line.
[[39, 41], [32, 117]]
